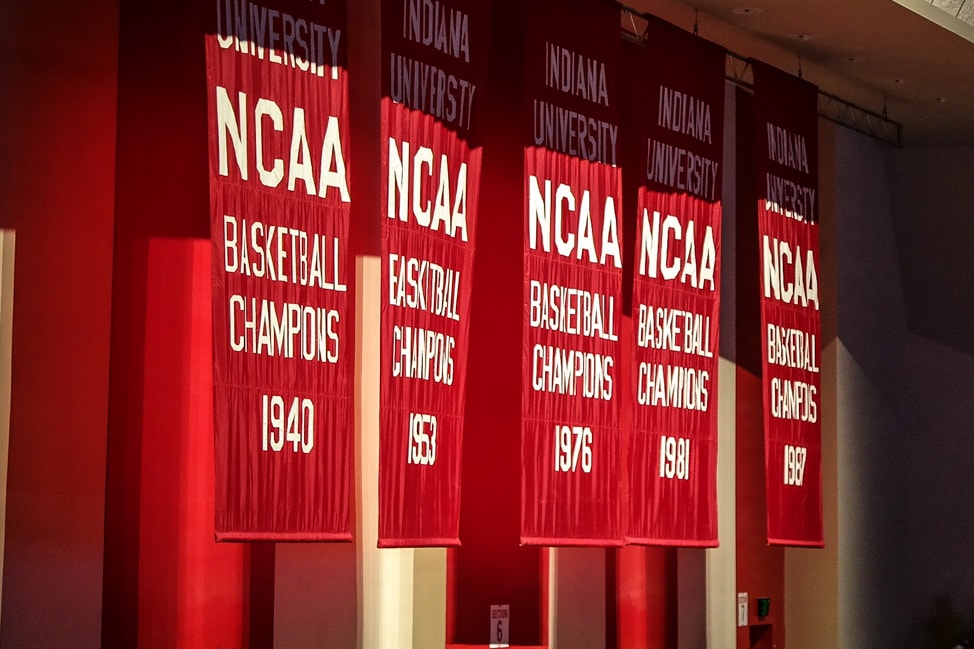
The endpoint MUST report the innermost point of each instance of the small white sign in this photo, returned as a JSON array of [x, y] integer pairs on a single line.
[[500, 625], [742, 609]]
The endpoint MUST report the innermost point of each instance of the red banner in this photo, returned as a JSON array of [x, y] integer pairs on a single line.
[[279, 214], [675, 117], [571, 461], [434, 64], [787, 175]]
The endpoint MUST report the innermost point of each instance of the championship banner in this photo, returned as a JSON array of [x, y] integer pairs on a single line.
[[277, 91], [571, 464], [675, 121], [787, 170], [434, 58]]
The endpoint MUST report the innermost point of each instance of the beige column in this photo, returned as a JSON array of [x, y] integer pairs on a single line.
[[722, 561], [7, 239]]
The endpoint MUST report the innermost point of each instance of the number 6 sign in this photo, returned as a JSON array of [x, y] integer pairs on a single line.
[[500, 619]]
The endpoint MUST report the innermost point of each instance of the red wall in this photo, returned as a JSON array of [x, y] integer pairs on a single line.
[[57, 160], [645, 598], [760, 567], [167, 583], [490, 567]]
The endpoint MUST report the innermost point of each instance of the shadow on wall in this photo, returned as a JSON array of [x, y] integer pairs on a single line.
[[931, 197], [948, 628]]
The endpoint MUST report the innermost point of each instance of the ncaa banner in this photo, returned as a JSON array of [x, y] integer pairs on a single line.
[[787, 169], [675, 119], [434, 64], [279, 213], [571, 460]]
